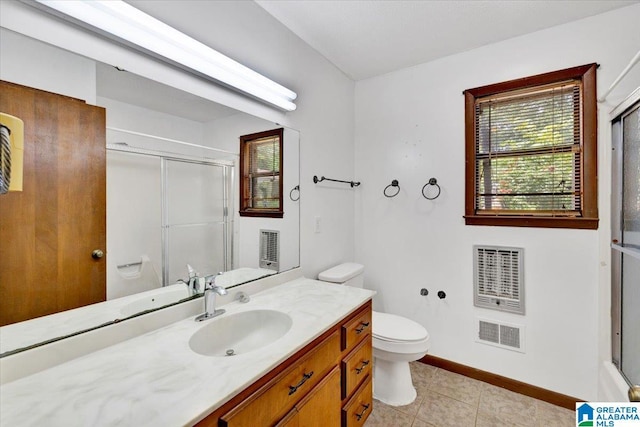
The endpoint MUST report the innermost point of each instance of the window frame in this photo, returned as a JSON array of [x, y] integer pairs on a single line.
[[588, 217], [245, 177]]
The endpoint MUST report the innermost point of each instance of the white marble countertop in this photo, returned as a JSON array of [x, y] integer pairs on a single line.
[[24, 334], [156, 379]]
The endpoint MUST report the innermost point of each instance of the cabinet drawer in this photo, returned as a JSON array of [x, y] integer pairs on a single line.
[[273, 400], [356, 329], [356, 366], [356, 411]]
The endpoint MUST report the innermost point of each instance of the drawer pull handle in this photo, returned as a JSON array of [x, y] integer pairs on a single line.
[[294, 388], [361, 414], [363, 326], [361, 368]]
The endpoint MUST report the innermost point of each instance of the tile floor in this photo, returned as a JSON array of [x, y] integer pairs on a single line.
[[446, 399]]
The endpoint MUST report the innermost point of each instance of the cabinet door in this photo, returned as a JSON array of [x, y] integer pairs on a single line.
[[276, 398], [49, 230], [291, 420], [321, 408]]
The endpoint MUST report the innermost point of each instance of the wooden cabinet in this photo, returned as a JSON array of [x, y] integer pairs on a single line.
[[358, 408], [356, 329], [320, 408], [326, 384], [357, 369], [274, 399]]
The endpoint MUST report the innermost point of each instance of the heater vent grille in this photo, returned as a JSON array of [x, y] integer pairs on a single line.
[[270, 249], [501, 335], [489, 332], [499, 278], [509, 336]]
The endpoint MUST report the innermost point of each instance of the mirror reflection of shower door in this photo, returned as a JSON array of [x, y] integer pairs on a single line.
[[626, 246], [197, 227]]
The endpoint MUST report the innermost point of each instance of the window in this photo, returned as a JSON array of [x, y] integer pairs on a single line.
[[261, 174], [531, 151]]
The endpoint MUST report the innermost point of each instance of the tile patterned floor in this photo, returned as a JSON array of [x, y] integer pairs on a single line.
[[446, 399]]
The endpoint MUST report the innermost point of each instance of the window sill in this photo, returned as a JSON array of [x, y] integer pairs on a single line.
[[262, 214], [542, 222]]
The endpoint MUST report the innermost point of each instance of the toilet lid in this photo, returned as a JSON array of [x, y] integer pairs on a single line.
[[390, 327]]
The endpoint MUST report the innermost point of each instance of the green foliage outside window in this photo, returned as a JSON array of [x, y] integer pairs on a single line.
[[527, 153]]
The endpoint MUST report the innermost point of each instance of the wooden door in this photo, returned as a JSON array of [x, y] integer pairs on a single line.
[[49, 230]]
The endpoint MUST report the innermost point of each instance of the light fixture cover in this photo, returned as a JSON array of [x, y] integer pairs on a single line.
[[127, 23]]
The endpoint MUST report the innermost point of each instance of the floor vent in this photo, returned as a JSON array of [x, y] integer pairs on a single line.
[[270, 249], [501, 335], [499, 278]]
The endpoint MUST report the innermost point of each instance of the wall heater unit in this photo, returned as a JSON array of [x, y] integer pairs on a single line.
[[270, 249], [499, 278]]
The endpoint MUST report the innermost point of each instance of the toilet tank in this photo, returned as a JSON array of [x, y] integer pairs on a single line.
[[349, 274]]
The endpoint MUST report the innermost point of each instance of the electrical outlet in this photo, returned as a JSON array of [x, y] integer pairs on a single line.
[[318, 225]]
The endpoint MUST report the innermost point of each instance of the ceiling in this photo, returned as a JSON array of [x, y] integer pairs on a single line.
[[366, 38]]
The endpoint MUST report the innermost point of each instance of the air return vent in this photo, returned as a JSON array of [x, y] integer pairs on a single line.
[[499, 278], [501, 335], [270, 249]]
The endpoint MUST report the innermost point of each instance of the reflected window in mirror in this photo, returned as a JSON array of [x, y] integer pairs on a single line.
[[261, 174]]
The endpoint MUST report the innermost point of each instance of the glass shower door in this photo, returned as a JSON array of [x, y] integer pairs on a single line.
[[197, 229], [626, 244]]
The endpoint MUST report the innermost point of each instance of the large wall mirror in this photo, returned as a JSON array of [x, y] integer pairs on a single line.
[[172, 202]]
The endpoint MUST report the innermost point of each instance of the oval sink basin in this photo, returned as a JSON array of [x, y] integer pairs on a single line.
[[240, 333]]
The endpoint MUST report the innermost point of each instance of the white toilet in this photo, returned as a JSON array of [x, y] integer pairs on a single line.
[[396, 342]]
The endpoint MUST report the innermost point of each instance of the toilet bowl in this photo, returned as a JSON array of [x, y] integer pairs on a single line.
[[396, 341]]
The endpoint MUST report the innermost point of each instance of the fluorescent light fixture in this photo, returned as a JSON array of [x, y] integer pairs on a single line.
[[125, 22]]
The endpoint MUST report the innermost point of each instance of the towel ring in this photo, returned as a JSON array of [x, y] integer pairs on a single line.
[[395, 184], [434, 182], [296, 188]]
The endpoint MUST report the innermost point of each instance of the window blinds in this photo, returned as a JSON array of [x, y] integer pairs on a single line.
[[264, 171], [528, 151]]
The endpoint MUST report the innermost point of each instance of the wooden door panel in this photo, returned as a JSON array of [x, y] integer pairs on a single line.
[[48, 231]]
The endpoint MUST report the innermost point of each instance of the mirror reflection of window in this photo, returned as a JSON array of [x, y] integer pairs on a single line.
[[261, 172]]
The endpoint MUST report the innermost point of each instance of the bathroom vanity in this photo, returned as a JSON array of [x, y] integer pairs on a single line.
[[317, 373], [327, 383]]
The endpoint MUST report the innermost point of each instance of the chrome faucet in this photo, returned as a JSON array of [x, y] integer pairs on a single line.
[[193, 282], [210, 292]]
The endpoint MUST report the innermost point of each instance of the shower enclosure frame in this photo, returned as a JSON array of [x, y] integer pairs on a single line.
[[620, 248], [227, 227], [228, 176]]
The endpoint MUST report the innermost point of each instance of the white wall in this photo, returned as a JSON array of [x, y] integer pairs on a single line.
[[31, 63], [410, 127], [248, 34], [133, 224]]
